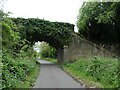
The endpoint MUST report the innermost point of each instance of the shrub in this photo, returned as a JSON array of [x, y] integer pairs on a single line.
[[15, 70]]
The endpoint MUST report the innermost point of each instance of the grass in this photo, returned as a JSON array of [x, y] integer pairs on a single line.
[[101, 72], [51, 60]]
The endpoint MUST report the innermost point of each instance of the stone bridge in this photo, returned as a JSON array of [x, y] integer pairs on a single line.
[[57, 34]]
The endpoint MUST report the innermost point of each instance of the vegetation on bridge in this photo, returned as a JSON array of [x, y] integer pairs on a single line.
[[34, 29]]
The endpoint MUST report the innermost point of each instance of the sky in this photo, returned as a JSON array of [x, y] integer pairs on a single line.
[[52, 10]]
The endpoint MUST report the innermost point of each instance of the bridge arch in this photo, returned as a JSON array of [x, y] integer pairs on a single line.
[[57, 34]]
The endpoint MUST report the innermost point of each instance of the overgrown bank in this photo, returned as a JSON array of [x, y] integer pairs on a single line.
[[101, 72], [18, 59], [20, 72]]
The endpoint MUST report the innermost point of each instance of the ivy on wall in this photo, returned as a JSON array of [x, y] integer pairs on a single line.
[[34, 29]]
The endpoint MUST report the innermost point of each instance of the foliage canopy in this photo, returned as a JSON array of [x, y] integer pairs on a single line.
[[100, 21]]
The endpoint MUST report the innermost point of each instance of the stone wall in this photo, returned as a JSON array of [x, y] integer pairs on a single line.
[[79, 48]]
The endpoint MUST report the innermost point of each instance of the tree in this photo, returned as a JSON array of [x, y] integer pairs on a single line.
[[46, 51], [99, 21]]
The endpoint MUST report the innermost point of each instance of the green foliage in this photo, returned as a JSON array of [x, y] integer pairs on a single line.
[[99, 69], [46, 51], [19, 35], [1, 64], [18, 57], [105, 71], [10, 37], [53, 60], [16, 70], [98, 21], [34, 29]]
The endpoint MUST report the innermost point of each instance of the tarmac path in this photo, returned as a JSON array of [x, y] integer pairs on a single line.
[[52, 76]]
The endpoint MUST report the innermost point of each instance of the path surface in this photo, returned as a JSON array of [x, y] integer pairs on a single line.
[[51, 76]]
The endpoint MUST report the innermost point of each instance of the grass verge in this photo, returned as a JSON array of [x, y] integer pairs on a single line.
[[96, 72], [51, 60]]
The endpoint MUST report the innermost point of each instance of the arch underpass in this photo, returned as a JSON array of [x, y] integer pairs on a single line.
[[57, 34]]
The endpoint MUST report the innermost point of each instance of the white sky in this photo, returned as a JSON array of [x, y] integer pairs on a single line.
[[52, 10]]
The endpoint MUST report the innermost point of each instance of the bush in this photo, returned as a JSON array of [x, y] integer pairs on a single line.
[[15, 70], [18, 58], [105, 70]]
